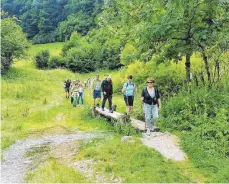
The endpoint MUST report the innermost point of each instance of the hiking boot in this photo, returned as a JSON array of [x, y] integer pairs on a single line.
[[155, 129], [103, 109], [111, 111]]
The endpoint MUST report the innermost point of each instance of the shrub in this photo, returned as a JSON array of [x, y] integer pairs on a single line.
[[56, 62], [42, 59], [203, 112], [128, 54], [80, 60]]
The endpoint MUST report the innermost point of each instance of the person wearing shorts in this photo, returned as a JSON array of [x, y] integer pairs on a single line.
[[97, 90], [129, 90]]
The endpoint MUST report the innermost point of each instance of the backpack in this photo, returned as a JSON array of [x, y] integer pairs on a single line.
[[127, 83]]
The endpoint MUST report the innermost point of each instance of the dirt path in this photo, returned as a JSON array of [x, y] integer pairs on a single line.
[[165, 143], [14, 164]]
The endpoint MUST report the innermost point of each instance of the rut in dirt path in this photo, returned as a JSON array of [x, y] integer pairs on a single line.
[[14, 164]]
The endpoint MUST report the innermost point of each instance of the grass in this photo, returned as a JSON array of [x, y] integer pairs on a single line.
[[54, 48], [32, 100], [54, 172], [133, 162]]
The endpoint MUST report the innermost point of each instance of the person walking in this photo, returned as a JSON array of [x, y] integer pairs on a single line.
[[81, 94], [96, 86], [75, 98], [129, 89], [67, 84], [107, 89], [72, 89], [152, 104]]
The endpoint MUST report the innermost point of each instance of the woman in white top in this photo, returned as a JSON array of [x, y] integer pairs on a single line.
[[81, 93]]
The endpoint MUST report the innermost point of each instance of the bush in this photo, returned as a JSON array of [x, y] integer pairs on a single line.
[[81, 60], [56, 62], [42, 59], [201, 116], [203, 112], [128, 54]]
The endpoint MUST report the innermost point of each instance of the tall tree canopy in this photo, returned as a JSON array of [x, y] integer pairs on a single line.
[[53, 20]]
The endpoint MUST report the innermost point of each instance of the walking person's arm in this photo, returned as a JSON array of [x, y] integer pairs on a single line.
[[159, 104], [102, 88], [142, 96], [124, 88]]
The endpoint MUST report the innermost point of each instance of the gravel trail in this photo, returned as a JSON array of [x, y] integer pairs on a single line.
[[14, 164]]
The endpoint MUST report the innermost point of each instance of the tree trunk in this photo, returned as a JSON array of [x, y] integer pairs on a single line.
[[205, 58], [196, 79], [218, 70], [188, 66]]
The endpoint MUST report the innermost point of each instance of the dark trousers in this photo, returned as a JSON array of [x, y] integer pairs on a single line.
[[105, 97]]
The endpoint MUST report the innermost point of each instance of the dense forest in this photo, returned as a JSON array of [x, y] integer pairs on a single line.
[[53, 20]]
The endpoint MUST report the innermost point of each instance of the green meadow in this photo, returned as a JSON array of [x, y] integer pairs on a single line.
[[32, 101]]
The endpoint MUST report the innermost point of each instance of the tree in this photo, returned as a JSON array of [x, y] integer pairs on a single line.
[[41, 19], [13, 42]]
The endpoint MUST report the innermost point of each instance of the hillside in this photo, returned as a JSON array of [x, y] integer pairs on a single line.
[[34, 106], [164, 65]]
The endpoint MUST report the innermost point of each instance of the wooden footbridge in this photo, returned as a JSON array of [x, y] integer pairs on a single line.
[[137, 124]]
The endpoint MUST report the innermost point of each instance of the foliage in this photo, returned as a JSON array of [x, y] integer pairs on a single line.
[[56, 62], [42, 59], [53, 20], [201, 116], [80, 59], [79, 22], [128, 54], [13, 42]]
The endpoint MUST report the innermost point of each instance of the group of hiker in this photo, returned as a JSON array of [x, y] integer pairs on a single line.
[[75, 90], [150, 96]]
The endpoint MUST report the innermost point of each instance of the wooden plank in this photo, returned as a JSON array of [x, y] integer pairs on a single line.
[[114, 115], [140, 125]]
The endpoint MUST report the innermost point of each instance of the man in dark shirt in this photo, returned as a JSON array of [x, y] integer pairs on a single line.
[[67, 84], [107, 89]]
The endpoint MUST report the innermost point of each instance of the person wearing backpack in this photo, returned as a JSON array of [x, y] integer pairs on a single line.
[[129, 90], [152, 104], [67, 84]]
